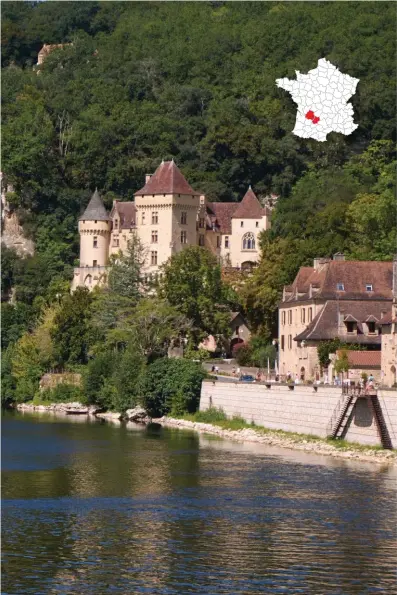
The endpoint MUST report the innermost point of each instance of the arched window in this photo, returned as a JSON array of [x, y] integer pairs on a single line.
[[88, 280], [248, 241]]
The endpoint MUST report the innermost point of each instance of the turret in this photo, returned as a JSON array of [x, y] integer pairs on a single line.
[[94, 229]]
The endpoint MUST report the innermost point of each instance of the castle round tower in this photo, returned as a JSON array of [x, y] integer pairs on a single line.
[[94, 229]]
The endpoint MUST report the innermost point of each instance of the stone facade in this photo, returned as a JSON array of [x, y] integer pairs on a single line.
[[389, 339], [168, 215]]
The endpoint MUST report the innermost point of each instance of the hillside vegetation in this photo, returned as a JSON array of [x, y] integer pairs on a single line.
[[194, 81]]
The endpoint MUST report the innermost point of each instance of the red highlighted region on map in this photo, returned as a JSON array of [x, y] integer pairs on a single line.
[[311, 116]]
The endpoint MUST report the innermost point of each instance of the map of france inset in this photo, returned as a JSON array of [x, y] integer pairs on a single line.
[[322, 98]]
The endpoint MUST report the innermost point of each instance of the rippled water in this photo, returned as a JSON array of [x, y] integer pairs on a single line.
[[93, 508]]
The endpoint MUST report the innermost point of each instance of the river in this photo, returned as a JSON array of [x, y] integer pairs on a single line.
[[90, 507]]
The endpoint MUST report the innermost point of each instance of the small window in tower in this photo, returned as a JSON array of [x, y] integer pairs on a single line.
[[95, 221], [95, 242], [183, 218], [116, 224], [340, 287], [282, 342], [155, 237], [116, 243], [153, 258], [143, 218], [283, 318], [155, 218], [369, 287], [183, 237], [241, 223], [94, 263], [257, 224], [226, 241]]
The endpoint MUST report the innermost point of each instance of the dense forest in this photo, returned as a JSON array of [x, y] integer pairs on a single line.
[[139, 82]]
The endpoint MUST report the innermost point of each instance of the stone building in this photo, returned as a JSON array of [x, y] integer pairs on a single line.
[[389, 338], [333, 298], [168, 215]]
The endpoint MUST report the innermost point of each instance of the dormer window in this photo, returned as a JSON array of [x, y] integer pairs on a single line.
[[340, 287], [369, 287], [371, 327], [350, 326]]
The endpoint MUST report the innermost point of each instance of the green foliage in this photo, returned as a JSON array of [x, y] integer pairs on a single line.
[[342, 363], [126, 278], [197, 354], [15, 320], [171, 386], [7, 379], [96, 376], [8, 260], [27, 367], [324, 348], [62, 393], [72, 333], [192, 283]]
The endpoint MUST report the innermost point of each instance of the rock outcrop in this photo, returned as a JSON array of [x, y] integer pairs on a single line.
[[138, 415]]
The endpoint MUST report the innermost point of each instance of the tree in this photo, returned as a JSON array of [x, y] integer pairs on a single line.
[[72, 333], [126, 278], [192, 283], [27, 367], [342, 363], [171, 385]]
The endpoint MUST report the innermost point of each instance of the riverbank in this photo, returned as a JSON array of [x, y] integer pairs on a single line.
[[245, 433]]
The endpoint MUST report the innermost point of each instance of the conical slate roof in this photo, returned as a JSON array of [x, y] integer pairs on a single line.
[[95, 210], [249, 207], [167, 179]]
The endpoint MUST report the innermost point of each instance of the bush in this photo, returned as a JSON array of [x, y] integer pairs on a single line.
[[198, 354], [62, 393], [171, 386], [242, 353]]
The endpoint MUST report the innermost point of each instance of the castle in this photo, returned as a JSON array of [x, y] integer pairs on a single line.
[[168, 215]]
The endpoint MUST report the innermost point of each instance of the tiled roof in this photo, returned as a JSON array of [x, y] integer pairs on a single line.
[[363, 359], [354, 275], [249, 207], [221, 213], [95, 210], [325, 325], [167, 179], [126, 211]]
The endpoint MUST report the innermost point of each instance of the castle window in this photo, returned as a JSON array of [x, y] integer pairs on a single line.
[[340, 287], [143, 218], [155, 218], [369, 287], [257, 224], [95, 242], [183, 218], [310, 314], [248, 241], [116, 224], [153, 258], [218, 241], [183, 237], [202, 222], [283, 317], [303, 315], [116, 243], [289, 316], [289, 341], [241, 223], [201, 240], [155, 237], [371, 327], [282, 342], [94, 263], [350, 326], [95, 221], [226, 241]]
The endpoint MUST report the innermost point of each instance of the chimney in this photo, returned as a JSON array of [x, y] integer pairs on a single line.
[[395, 278], [339, 256], [318, 263], [147, 178]]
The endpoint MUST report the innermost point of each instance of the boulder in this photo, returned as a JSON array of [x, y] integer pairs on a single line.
[[138, 415], [110, 416]]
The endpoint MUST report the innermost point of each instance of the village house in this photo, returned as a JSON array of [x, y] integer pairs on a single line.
[[333, 298], [168, 215]]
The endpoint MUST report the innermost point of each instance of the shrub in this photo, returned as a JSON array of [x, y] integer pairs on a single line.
[[62, 393], [171, 386], [242, 353]]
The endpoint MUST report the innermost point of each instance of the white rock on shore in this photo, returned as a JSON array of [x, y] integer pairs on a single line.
[[274, 439], [138, 415]]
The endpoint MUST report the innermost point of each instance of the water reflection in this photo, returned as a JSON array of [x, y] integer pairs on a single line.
[[92, 508]]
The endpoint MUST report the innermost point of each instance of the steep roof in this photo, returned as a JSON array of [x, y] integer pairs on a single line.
[[127, 212], [363, 359], [249, 207], [167, 179], [95, 210], [325, 324], [353, 274], [220, 214]]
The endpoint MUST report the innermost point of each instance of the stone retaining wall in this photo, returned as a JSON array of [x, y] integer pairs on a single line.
[[301, 409]]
